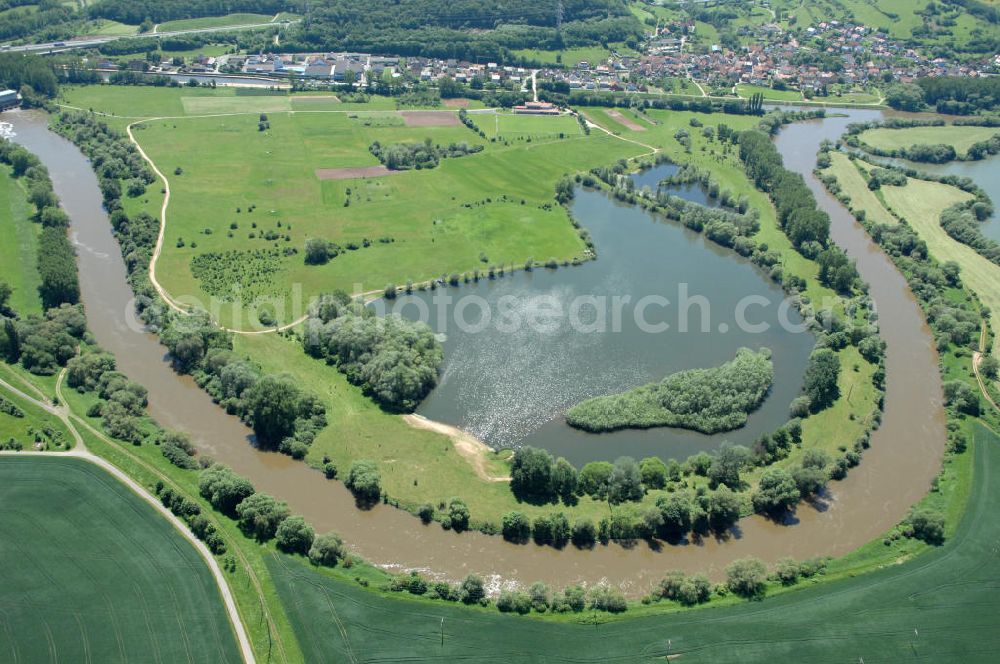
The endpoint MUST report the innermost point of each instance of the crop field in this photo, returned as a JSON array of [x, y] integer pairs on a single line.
[[19, 247], [92, 573], [213, 22], [744, 90], [961, 138], [855, 186], [940, 606], [572, 56]]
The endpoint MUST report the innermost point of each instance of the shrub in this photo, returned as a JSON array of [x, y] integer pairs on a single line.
[[327, 550], [294, 535], [746, 577], [364, 481]]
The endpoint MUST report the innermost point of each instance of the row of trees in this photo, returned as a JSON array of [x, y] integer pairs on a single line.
[[706, 400], [56, 257], [803, 222], [396, 361]]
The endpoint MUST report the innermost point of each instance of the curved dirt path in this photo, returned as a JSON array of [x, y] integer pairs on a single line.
[[80, 451], [471, 448]]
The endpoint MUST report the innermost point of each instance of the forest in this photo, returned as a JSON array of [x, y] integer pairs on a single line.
[[706, 400]]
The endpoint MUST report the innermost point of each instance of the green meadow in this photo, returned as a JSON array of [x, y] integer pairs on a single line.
[[19, 247], [745, 90], [93, 573], [853, 184], [960, 137], [939, 606]]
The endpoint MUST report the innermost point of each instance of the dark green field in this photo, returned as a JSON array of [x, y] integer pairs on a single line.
[[941, 607], [93, 574]]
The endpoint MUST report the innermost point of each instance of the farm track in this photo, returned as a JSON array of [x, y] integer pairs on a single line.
[[80, 451]]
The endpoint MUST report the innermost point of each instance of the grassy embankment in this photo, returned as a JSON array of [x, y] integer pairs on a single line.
[[855, 185], [959, 137], [92, 573], [20, 245], [439, 236]]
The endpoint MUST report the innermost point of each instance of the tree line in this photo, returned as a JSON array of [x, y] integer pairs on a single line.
[[807, 227]]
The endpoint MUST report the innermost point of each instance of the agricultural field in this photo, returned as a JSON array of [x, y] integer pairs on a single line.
[[854, 185], [936, 607], [959, 137], [746, 91], [20, 246], [93, 573]]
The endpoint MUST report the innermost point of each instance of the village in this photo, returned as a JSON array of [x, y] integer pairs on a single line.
[[811, 62]]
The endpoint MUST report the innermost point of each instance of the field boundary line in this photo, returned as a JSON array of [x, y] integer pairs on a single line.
[[81, 452]]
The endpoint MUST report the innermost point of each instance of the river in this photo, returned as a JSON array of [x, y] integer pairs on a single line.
[[905, 454]]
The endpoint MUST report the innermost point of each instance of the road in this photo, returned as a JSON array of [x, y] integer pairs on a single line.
[[90, 42], [80, 451]]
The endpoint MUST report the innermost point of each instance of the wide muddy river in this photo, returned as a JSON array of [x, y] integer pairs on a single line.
[[904, 457]]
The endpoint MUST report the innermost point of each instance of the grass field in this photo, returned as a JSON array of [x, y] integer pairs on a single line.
[[854, 185], [938, 607], [19, 246], [745, 91], [213, 22], [920, 202], [93, 573], [510, 127], [960, 137]]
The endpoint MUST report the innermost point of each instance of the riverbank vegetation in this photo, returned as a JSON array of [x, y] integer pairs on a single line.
[[705, 400]]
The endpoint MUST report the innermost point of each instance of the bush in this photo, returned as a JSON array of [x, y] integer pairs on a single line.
[[260, 515], [472, 590], [327, 550], [458, 512], [515, 527], [294, 535], [364, 480], [927, 525], [223, 488], [747, 577], [604, 598]]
